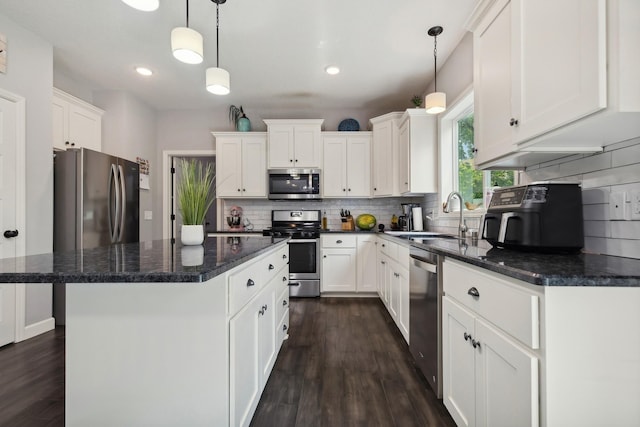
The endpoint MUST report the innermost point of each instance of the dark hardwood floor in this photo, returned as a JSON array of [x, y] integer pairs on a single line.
[[345, 364], [32, 382]]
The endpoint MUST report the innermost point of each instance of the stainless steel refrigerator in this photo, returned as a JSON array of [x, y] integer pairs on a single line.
[[96, 203]]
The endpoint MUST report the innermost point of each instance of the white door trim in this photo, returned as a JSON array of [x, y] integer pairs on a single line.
[[166, 183], [21, 193]]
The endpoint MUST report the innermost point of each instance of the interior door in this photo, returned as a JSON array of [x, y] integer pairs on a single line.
[[8, 135]]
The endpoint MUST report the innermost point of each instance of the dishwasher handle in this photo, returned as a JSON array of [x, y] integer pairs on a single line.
[[432, 268]]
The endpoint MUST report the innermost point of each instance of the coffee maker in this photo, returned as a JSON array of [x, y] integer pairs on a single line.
[[406, 220]]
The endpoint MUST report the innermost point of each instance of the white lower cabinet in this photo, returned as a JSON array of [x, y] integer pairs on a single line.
[[366, 263], [256, 333], [393, 282], [338, 271], [488, 379]]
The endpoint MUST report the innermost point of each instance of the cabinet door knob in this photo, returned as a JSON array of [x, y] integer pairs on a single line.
[[284, 279], [261, 312], [271, 267], [324, 256], [284, 256], [244, 189], [475, 344], [474, 292], [250, 283], [513, 122], [349, 189], [344, 189], [238, 190], [338, 241], [284, 327], [284, 302], [67, 143], [467, 337], [475, 150], [296, 160], [375, 189], [10, 233]]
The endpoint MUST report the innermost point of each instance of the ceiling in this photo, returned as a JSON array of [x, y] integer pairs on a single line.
[[275, 50]]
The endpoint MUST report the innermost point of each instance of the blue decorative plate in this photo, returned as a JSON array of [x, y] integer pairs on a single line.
[[349, 124]]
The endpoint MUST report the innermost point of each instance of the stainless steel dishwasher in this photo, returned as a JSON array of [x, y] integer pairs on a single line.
[[425, 313]]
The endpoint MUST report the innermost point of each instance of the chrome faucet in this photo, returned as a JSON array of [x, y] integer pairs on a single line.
[[462, 225]]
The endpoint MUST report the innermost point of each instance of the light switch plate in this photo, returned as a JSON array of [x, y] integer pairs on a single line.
[[617, 205], [148, 215], [635, 204]]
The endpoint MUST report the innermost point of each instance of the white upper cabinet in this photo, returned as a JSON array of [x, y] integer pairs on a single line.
[[347, 164], [76, 124], [241, 164], [385, 153], [418, 160], [552, 78], [294, 143]]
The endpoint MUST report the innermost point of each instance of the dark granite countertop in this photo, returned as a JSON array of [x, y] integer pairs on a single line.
[[156, 261], [540, 269]]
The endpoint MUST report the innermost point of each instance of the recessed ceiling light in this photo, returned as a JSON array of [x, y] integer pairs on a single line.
[[332, 70], [144, 5], [144, 71]]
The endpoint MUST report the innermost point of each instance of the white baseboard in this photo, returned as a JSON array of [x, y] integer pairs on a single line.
[[38, 328], [350, 294]]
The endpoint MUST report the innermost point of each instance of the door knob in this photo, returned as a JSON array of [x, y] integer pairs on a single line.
[[10, 233]]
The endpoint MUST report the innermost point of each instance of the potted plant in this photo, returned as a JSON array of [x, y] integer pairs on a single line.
[[194, 199], [416, 101], [239, 119]]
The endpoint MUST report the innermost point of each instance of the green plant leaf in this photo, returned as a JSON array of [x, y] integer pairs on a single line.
[[195, 191]]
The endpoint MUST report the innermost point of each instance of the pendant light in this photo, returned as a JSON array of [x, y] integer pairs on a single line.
[[143, 5], [435, 102], [186, 44], [217, 79]]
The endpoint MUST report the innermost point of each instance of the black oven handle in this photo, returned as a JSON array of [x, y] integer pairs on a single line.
[[302, 241]]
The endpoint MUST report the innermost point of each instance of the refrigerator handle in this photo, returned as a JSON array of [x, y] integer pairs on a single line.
[[123, 205], [113, 221]]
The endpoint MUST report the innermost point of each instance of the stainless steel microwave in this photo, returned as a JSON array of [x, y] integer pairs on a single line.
[[294, 184]]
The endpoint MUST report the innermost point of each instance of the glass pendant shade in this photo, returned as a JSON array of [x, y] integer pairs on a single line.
[[186, 45], [144, 5], [218, 81], [435, 102]]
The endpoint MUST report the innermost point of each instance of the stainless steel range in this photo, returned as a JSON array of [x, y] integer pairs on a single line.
[[304, 249]]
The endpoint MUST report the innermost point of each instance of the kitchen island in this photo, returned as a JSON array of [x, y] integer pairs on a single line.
[[164, 335]]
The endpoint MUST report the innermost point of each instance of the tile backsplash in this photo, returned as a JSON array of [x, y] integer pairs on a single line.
[[259, 211]]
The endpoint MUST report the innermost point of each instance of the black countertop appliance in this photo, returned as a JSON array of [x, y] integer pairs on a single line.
[[540, 217]]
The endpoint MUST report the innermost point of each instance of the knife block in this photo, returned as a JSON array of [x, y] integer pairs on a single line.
[[348, 224]]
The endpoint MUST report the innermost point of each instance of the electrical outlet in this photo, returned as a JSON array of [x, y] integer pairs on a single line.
[[617, 205], [635, 204], [148, 215]]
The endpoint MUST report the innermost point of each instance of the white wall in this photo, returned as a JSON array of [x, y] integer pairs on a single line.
[[129, 131], [30, 75]]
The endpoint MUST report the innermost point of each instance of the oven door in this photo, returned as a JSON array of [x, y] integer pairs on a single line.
[[304, 259]]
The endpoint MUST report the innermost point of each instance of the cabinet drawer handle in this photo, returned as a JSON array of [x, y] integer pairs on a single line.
[[475, 344], [271, 267], [250, 283], [467, 337], [284, 327], [513, 122], [473, 292], [284, 302], [338, 241]]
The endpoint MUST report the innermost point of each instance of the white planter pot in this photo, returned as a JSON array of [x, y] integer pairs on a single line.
[[192, 234]]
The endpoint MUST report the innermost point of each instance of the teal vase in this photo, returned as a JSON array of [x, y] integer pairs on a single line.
[[243, 125]]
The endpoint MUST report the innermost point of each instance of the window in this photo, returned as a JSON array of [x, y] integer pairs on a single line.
[[457, 158]]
